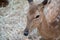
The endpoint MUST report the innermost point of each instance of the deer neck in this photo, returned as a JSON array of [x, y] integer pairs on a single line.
[[42, 15], [44, 21]]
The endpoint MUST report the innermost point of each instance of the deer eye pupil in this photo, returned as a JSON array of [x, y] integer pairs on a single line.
[[37, 16]]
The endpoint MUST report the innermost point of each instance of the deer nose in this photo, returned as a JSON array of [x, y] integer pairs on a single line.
[[26, 32]]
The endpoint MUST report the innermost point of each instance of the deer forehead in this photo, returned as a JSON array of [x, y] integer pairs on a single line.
[[32, 10], [37, 12], [34, 13]]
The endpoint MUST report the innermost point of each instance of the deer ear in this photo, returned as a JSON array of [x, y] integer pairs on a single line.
[[43, 4], [30, 1]]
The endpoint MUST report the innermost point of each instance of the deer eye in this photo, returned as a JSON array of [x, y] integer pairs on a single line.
[[37, 16], [45, 2]]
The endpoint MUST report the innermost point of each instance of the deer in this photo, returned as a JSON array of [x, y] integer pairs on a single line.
[[47, 23]]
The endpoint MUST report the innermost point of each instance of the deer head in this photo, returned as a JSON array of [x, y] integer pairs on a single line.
[[33, 16]]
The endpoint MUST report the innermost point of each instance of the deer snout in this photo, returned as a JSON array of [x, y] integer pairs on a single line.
[[26, 32]]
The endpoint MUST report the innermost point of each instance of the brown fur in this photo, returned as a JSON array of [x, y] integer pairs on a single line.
[[47, 25]]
